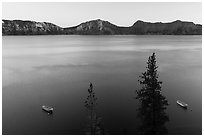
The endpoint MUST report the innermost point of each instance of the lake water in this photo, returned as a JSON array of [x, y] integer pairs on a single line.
[[56, 71]]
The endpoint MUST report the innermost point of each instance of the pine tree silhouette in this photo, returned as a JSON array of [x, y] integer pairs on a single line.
[[94, 126], [153, 103]]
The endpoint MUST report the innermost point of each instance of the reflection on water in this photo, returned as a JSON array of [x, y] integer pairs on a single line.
[[94, 126], [153, 103]]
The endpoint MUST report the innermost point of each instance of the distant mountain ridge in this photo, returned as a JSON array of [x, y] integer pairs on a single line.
[[100, 27], [19, 27]]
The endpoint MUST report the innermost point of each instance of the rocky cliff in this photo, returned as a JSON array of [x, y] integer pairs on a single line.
[[174, 28], [97, 27], [19, 27], [100, 27]]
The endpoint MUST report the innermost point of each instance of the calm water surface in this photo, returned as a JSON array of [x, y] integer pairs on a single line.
[[56, 71]]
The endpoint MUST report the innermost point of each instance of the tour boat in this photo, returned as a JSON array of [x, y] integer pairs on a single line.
[[182, 104], [47, 109]]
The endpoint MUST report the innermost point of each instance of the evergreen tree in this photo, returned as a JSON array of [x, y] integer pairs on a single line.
[[153, 103], [94, 125], [91, 103]]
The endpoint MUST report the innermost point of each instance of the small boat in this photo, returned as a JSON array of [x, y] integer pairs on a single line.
[[182, 104], [47, 109]]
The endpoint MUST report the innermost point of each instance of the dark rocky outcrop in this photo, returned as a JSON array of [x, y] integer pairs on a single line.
[[174, 28], [100, 27]]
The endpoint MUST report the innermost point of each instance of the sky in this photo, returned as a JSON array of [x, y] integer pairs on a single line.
[[67, 14]]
